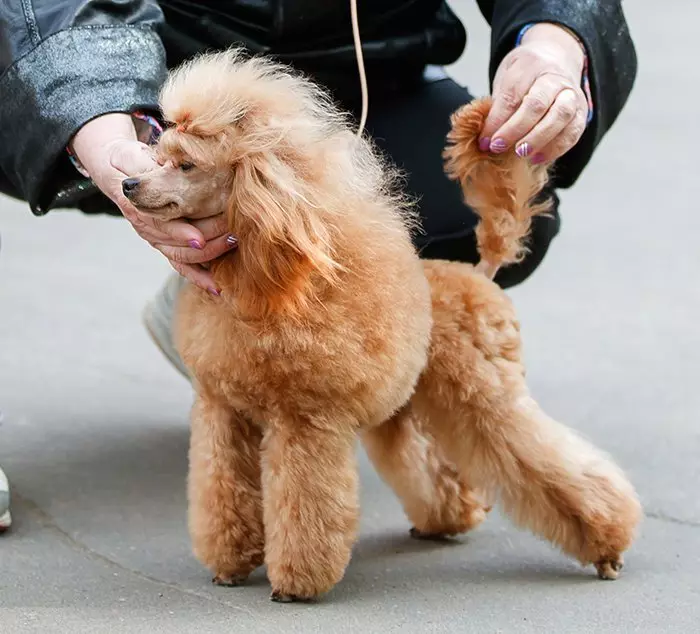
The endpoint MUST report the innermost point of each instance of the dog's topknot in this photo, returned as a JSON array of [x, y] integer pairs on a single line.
[[232, 85]]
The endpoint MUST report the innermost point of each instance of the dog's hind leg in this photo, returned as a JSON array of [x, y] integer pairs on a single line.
[[225, 504], [436, 498], [310, 498], [548, 479]]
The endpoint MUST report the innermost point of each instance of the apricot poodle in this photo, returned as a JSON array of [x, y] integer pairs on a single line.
[[331, 328]]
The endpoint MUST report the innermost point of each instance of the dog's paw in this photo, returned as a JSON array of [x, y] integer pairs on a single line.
[[609, 569], [471, 517], [280, 597], [474, 516], [427, 536], [229, 581]]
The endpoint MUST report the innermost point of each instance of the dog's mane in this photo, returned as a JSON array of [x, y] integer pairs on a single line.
[[299, 175]]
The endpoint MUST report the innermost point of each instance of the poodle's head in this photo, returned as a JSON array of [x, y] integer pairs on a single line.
[[253, 139], [236, 123], [179, 188]]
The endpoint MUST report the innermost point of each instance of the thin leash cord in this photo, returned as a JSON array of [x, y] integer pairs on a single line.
[[360, 66]]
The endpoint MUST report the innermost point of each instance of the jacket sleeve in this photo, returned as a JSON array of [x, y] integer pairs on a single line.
[[601, 26], [63, 63]]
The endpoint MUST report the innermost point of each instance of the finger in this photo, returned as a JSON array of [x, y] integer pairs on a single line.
[[197, 275], [138, 221], [560, 116], [179, 232], [507, 97], [534, 106], [212, 227], [133, 158], [213, 249], [564, 141], [157, 232]]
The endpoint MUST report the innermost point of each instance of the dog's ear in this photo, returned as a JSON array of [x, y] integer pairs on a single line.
[[285, 240]]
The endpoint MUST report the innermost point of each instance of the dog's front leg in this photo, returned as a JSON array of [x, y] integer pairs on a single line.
[[310, 499], [225, 505]]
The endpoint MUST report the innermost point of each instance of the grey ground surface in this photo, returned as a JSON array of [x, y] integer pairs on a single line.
[[94, 427]]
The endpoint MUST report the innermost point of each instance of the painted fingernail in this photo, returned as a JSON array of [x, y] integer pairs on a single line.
[[195, 244], [231, 240], [214, 291], [484, 144], [498, 145], [538, 158], [523, 150]]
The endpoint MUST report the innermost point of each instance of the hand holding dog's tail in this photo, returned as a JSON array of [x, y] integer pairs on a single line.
[[500, 188]]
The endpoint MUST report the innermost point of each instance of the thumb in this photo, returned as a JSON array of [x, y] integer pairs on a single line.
[[132, 158], [510, 85]]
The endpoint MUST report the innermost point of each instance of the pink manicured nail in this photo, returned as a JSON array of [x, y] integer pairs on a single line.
[[195, 244], [484, 144], [538, 158], [214, 291], [232, 241], [498, 145], [523, 150]]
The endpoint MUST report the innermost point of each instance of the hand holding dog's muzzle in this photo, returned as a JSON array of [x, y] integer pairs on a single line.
[[110, 152]]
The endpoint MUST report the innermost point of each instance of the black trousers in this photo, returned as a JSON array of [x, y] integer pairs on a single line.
[[410, 125]]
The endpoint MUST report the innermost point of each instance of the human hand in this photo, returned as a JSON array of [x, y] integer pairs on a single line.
[[539, 108], [109, 150]]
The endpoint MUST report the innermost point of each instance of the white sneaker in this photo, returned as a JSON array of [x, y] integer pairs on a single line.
[[158, 319], [5, 517]]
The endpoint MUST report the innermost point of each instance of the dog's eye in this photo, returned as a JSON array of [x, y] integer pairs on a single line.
[[186, 167]]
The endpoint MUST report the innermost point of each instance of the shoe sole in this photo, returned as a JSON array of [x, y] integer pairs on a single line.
[[5, 521]]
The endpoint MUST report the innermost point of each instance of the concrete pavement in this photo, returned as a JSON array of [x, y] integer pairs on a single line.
[[93, 430]]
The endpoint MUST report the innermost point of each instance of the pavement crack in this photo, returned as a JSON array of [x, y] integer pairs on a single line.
[[663, 517], [48, 522]]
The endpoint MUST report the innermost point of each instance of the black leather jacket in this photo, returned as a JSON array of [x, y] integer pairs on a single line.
[[64, 62]]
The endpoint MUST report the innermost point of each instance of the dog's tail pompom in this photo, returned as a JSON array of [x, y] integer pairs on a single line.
[[501, 188]]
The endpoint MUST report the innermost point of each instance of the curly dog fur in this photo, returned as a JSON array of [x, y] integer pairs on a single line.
[[330, 328]]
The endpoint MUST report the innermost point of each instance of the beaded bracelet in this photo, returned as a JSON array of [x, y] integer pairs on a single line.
[[585, 82]]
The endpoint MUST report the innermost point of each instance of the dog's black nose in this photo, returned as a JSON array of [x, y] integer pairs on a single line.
[[129, 185]]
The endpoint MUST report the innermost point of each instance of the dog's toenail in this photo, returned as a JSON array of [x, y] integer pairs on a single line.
[[228, 582]]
